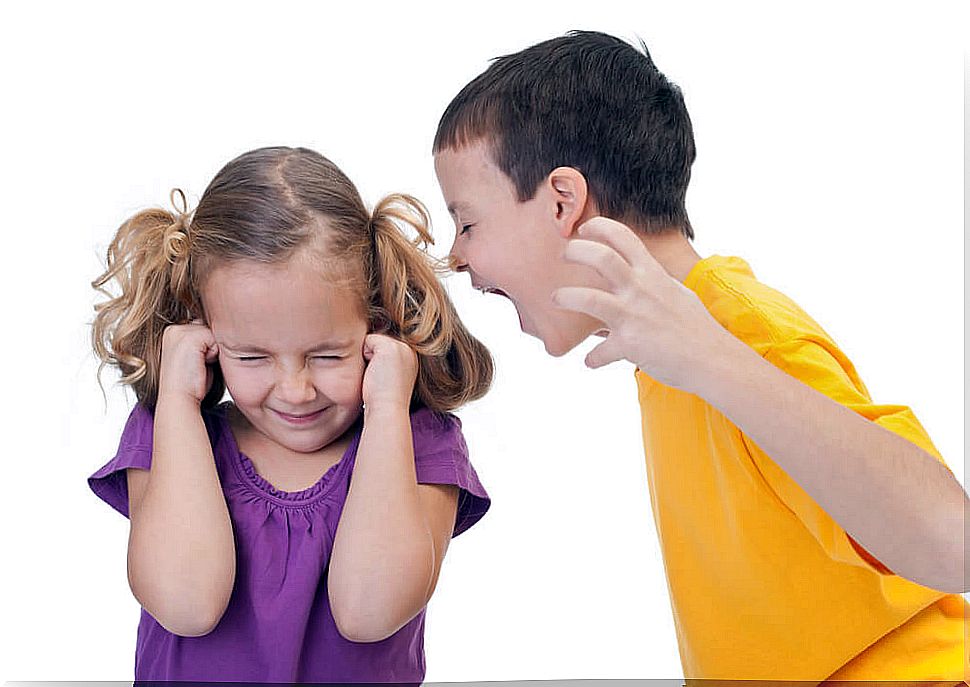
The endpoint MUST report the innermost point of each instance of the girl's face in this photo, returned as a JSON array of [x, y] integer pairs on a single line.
[[290, 348]]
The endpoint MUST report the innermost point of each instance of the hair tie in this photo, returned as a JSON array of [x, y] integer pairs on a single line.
[[181, 196], [374, 224], [176, 236]]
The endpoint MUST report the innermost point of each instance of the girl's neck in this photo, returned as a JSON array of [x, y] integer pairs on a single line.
[[285, 469]]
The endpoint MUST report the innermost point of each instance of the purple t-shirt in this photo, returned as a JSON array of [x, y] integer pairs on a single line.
[[278, 626]]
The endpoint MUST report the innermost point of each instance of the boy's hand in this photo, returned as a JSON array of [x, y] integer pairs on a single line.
[[654, 321], [392, 368], [188, 353]]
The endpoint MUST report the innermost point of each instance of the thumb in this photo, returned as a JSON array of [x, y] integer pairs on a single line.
[[368, 348], [211, 352], [607, 352]]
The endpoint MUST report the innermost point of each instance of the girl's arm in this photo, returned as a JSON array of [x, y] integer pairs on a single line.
[[392, 536], [181, 554], [393, 532]]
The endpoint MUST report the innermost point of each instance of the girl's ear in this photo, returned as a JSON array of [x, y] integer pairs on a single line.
[[570, 193]]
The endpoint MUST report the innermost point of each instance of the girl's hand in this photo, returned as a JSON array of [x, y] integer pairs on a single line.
[[392, 368], [188, 353]]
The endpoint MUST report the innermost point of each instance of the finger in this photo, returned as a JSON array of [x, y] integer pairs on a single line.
[[368, 347], [212, 353], [604, 353], [620, 238], [602, 258], [602, 305]]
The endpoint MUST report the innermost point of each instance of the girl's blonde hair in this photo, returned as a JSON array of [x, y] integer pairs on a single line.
[[265, 206]]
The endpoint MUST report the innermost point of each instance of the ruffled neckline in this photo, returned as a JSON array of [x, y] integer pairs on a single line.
[[247, 474]]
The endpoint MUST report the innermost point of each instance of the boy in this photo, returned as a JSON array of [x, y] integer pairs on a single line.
[[807, 532]]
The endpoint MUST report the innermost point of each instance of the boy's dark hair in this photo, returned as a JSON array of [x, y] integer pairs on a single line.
[[590, 101]]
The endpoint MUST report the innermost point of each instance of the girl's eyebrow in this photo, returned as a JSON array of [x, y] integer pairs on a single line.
[[325, 345]]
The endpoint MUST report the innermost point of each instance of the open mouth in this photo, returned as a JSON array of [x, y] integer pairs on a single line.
[[492, 289], [500, 292]]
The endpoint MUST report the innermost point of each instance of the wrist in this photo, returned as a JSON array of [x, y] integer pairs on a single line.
[[387, 408], [177, 400]]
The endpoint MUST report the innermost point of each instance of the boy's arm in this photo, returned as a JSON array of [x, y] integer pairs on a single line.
[[895, 499], [181, 553], [392, 535]]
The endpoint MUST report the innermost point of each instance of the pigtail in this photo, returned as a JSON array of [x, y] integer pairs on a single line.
[[148, 260], [408, 301]]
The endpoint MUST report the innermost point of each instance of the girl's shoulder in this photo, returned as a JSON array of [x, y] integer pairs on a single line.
[[435, 432], [135, 451], [139, 429], [441, 457]]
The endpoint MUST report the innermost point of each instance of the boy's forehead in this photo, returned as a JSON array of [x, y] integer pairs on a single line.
[[466, 172], [468, 157], [457, 207]]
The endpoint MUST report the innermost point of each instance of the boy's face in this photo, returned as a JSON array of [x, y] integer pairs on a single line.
[[511, 248]]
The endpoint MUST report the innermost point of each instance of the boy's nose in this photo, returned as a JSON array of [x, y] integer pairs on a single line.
[[455, 261]]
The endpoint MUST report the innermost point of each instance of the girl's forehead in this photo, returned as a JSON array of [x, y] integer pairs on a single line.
[[307, 268], [293, 301]]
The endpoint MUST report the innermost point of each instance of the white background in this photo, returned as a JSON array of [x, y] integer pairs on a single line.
[[829, 158]]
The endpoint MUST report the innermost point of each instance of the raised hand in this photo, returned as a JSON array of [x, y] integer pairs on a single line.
[[392, 368], [188, 353], [654, 321]]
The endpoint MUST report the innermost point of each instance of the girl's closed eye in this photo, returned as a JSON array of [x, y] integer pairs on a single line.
[[257, 358]]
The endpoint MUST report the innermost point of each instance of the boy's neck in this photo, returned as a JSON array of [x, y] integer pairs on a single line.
[[673, 251]]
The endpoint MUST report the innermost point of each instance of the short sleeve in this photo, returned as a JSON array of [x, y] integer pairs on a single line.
[[441, 457], [110, 483], [824, 367]]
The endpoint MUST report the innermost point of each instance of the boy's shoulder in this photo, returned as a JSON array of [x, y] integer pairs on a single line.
[[753, 311]]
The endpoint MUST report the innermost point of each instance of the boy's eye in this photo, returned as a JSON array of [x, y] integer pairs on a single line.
[[328, 357], [251, 358], [464, 228]]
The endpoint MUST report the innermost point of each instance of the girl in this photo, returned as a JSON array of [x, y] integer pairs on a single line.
[[295, 533]]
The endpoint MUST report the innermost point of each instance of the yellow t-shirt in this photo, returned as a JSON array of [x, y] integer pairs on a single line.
[[763, 583]]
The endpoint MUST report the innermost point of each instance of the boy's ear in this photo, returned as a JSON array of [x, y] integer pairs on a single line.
[[569, 192]]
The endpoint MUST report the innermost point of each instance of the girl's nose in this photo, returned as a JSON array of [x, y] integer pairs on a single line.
[[296, 387]]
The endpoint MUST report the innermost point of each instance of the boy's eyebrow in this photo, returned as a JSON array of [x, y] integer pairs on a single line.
[[457, 206]]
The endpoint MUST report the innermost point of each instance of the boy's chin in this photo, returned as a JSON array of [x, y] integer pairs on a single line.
[[557, 350], [558, 344]]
